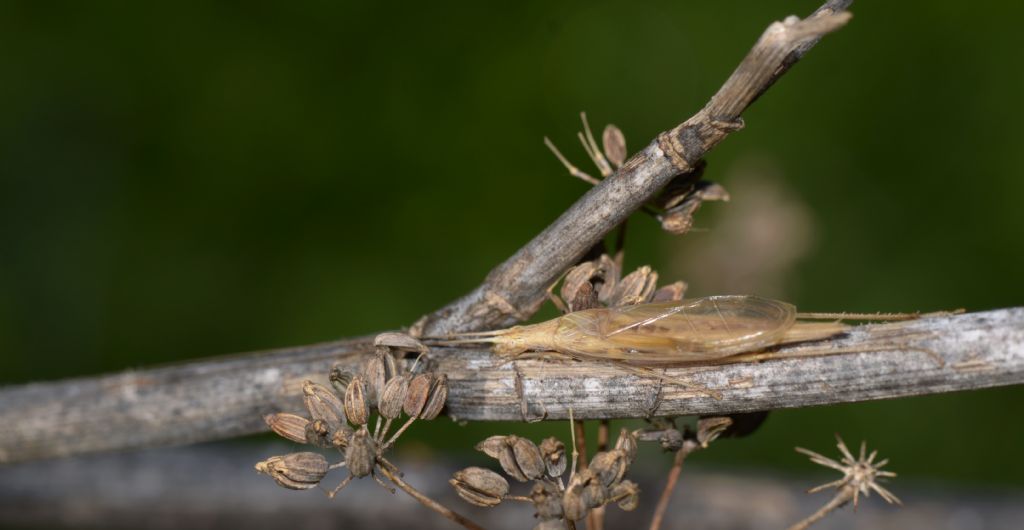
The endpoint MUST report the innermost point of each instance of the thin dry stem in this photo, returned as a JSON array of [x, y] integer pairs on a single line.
[[843, 496], [688, 447], [427, 501]]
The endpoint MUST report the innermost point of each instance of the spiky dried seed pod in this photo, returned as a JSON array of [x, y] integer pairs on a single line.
[[361, 453], [323, 404], [435, 401], [671, 440], [286, 425], [479, 486], [547, 500], [356, 407], [708, 429], [553, 451], [628, 495], [419, 392], [493, 446], [340, 379], [610, 466], [528, 458], [318, 434], [627, 442], [297, 471], [614, 143], [393, 396]]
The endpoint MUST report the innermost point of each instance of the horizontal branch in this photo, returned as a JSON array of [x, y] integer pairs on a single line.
[[227, 397], [513, 290]]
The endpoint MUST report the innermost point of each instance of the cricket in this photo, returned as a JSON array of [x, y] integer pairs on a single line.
[[693, 331]]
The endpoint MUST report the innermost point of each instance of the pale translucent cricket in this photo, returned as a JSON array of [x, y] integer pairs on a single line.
[[697, 330]]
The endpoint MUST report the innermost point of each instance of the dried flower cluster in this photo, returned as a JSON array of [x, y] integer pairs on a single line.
[[674, 207], [338, 417], [600, 483], [599, 282]]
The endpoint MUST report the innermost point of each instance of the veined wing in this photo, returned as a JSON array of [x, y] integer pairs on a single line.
[[691, 330]]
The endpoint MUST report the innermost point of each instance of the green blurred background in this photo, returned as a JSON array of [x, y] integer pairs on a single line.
[[191, 179]]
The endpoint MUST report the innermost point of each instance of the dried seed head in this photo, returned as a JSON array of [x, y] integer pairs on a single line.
[[340, 379], [546, 500], [435, 401], [627, 443], [318, 434], [479, 486], [708, 429], [610, 466], [627, 493], [670, 293], [393, 396], [583, 493], [400, 342], [636, 288], [356, 407], [290, 426], [528, 458], [493, 446], [614, 143], [671, 440], [611, 276], [553, 451], [361, 453], [297, 471], [419, 392], [323, 404], [379, 370]]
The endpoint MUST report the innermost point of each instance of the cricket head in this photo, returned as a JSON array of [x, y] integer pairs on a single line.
[[521, 339]]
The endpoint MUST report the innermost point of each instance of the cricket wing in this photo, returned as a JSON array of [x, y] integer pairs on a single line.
[[695, 330]]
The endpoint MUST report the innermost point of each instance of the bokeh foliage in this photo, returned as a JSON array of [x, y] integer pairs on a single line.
[[191, 179]]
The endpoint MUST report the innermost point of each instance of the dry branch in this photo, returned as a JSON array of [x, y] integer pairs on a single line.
[[227, 397], [514, 289]]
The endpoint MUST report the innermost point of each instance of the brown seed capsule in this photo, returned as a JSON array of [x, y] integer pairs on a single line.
[[361, 453], [323, 404], [419, 392], [341, 437], [479, 486], [318, 434], [290, 426], [400, 342], [297, 471], [393, 396], [670, 293], [627, 493], [627, 443], [356, 407], [553, 451], [528, 458], [580, 496], [379, 370], [609, 466], [546, 500], [493, 446], [614, 143], [507, 459], [636, 288], [708, 429], [435, 401], [340, 379]]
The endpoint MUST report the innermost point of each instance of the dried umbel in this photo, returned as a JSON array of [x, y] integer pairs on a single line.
[[479, 486], [323, 404], [519, 457], [356, 406], [710, 428], [610, 466], [583, 493], [297, 471], [289, 426], [553, 451], [626, 494], [361, 453], [627, 442]]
